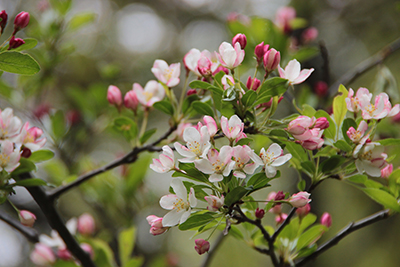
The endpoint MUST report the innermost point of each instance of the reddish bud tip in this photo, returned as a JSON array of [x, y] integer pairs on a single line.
[[4, 18], [271, 59], [260, 213], [191, 92], [253, 84], [201, 246], [15, 42], [26, 152], [21, 21], [241, 39], [326, 219], [321, 88]]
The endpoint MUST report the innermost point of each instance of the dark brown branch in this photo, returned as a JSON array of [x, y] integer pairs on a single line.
[[30, 233], [351, 227], [56, 222], [366, 65], [128, 158], [262, 250], [213, 250]]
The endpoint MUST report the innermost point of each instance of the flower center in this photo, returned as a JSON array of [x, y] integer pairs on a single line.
[[179, 205], [4, 159], [147, 96], [370, 109]]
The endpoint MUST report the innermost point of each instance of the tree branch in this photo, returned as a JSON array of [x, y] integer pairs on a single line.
[[55, 221], [351, 227], [366, 65], [128, 158], [30, 233], [213, 250]]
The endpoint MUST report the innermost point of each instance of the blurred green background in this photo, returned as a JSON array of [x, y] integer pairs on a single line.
[[118, 46]]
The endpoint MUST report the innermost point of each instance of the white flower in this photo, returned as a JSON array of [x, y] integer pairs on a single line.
[[218, 164], [10, 125], [9, 158], [197, 144], [166, 161], [232, 128], [229, 56], [152, 92], [272, 158], [293, 74], [179, 205], [168, 75], [242, 156], [371, 159]]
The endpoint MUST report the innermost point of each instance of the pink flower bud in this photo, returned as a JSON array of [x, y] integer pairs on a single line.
[[253, 83], [27, 218], [88, 249], [191, 92], [321, 88], [131, 101], [42, 255], [4, 18], [303, 211], [26, 152], [260, 213], [385, 172], [321, 123], [21, 21], [15, 42], [279, 196], [41, 110], [202, 246], [280, 218], [114, 96], [156, 225], [86, 225], [300, 199], [64, 254], [271, 59], [241, 39], [221, 68], [260, 51], [204, 66], [211, 125], [309, 35], [326, 219]]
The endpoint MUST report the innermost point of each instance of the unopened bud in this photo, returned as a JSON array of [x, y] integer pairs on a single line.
[[42, 255], [279, 196], [260, 213], [131, 101], [300, 199], [253, 84], [88, 248], [27, 218], [114, 96], [321, 123], [64, 254], [260, 51], [21, 21], [241, 39], [4, 18], [280, 218], [271, 59], [303, 211], [191, 92], [326, 219], [321, 88], [15, 42], [26, 152], [309, 35], [86, 225], [385, 172], [202, 246]]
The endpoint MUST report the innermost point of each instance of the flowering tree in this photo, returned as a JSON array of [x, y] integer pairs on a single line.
[[213, 152]]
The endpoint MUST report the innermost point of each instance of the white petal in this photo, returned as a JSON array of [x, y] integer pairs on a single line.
[[172, 218], [179, 189], [215, 178], [204, 166], [192, 198], [281, 160], [270, 172], [168, 202], [185, 216]]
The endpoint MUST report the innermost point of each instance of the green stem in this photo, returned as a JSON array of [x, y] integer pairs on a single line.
[[144, 122]]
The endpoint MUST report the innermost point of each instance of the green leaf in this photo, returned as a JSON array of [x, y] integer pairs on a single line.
[[249, 98], [389, 142], [196, 220], [126, 126], [329, 132], [311, 236], [301, 185], [147, 135], [308, 166], [25, 166], [274, 87], [331, 163], [202, 108], [307, 221], [192, 173], [343, 145], [187, 103], [41, 155], [262, 100], [297, 151], [81, 19], [206, 86], [383, 198], [16, 62], [29, 44], [339, 106], [58, 124], [135, 262], [308, 110], [358, 178], [235, 195], [244, 141], [259, 181], [103, 253], [30, 182], [126, 243], [164, 106], [62, 6]]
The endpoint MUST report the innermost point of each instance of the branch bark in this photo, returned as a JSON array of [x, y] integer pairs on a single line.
[[351, 227], [30, 233]]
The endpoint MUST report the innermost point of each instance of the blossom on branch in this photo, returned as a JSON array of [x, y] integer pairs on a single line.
[[214, 202], [10, 125], [271, 159], [179, 204], [300, 199], [166, 161], [293, 74], [152, 92], [9, 158], [242, 156], [233, 128], [157, 227], [218, 164], [197, 144], [229, 56], [370, 159], [168, 75]]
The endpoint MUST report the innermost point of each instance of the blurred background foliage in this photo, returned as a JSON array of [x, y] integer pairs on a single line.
[[86, 45]]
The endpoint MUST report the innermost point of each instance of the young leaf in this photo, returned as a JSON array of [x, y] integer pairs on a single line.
[[81, 19], [311, 236], [249, 98], [41, 155], [192, 173], [343, 145], [196, 220], [126, 242], [297, 151], [274, 87], [16, 62], [164, 106], [383, 198], [203, 108], [147, 135], [235, 195], [126, 126], [331, 163], [339, 105], [25, 166], [389, 142], [30, 182]]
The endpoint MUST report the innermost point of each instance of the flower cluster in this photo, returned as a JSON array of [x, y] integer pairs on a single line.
[[308, 131]]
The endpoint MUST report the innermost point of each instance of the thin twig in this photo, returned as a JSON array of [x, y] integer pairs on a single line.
[[366, 65], [213, 250], [351, 227], [30, 233], [55, 221], [128, 158]]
